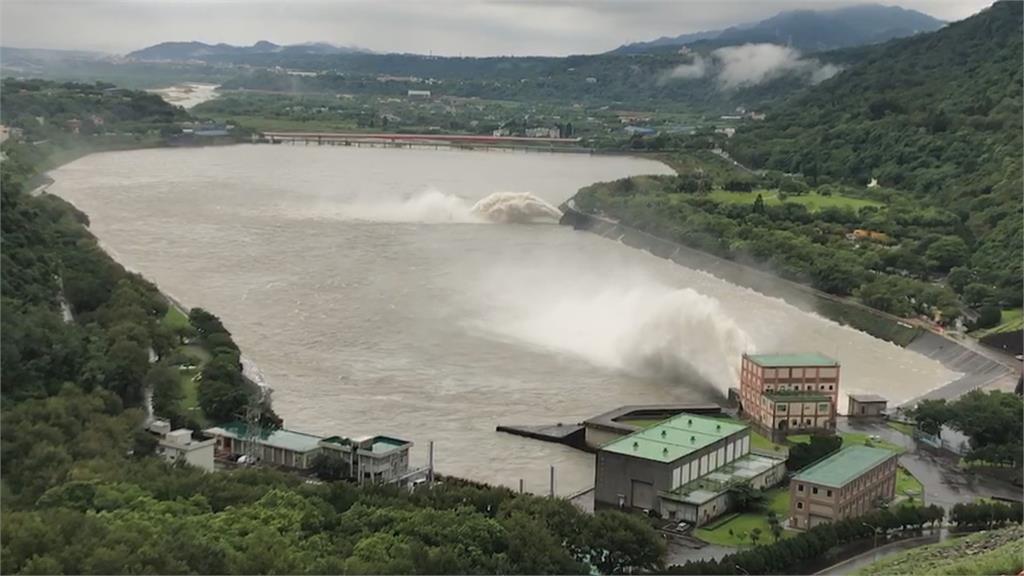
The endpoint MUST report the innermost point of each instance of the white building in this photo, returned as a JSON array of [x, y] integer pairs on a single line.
[[542, 133], [418, 93], [179, 446]]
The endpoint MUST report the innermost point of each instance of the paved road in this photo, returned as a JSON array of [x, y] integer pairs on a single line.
[[944, 483], [871, 556]]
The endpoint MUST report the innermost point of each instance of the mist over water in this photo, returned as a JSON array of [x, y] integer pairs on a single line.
[[382, 291], [433, 206]]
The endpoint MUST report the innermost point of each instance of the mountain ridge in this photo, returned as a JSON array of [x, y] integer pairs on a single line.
[[808, 30]]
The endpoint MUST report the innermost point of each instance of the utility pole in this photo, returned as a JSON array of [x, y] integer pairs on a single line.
[[552, 481], [430, 463], [520, 485]]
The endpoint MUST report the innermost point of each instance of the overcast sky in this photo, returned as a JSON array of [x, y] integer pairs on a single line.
[[448, 27]]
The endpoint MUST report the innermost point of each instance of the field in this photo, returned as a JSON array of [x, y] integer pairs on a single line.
[[742, 524], [991, 552], [1012, 319], [812, 201], [907, 429], [907, 485]]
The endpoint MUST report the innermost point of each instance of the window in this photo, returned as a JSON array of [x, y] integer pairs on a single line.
[[828, 493], [782, 407], [799, 487], [822, 407], [814, 490], [829, 386], [799, 505]]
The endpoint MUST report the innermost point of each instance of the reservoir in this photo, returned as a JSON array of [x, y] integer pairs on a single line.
[[429, 295]]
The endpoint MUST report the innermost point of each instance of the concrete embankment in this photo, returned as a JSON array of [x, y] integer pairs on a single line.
[[977, 370]]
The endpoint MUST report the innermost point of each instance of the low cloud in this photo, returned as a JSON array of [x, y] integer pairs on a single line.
[[695, 69], [751, 64]]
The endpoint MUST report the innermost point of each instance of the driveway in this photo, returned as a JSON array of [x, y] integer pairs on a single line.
[[944, 482]]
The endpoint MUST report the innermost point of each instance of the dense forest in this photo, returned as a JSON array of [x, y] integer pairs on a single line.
[[935, 120], [82, 492]]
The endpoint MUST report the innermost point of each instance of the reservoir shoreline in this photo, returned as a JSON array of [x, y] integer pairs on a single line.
[[976, 370]]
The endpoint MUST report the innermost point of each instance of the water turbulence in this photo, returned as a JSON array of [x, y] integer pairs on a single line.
[[648, 330], [435, 207], [515, 207]]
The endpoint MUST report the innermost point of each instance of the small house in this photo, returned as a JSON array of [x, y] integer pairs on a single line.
[[866, 405]]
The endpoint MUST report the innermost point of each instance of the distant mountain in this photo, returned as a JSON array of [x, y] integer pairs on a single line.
[[181, 51], [810, 30]]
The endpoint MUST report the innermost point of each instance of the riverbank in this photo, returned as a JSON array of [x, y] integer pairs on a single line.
[[976, 370]]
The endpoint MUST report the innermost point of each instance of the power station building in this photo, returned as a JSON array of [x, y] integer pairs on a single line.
[[682, 468], [848, 483], [780, 393]]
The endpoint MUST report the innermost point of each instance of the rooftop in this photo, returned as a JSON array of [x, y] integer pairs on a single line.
[[844, 466], [709, 487], [787, 360], [280, 438], [674, 438], [865, 398]]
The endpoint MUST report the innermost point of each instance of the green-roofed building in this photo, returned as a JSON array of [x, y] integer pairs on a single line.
[[667, 466], [789, 393], [849, 483]]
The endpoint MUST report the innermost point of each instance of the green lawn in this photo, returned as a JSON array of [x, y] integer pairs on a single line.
[[742, 524], [1012, 319], [849, 439], [907, 485], [812, 201], [174, 318]]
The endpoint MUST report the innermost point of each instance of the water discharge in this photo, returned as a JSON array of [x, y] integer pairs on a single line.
[[433, 206]]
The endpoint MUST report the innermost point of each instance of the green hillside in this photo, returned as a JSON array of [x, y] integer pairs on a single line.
[[936, 116]]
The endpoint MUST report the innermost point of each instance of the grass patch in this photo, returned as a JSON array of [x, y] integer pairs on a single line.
[[849, 439], [174, 318], [1011, 319], [742, 525], [813, 201], [907, 485], [990, 552]]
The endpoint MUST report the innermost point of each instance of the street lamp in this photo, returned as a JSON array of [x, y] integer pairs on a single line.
[[874, 529]]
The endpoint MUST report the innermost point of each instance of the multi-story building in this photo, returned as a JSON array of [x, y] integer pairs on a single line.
[[378, 459], [849, 483], [180, 445], [784, 392], [682, 468]]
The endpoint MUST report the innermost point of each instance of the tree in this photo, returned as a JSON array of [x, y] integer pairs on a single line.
[[947, 252], [989, 316], [755, 535], [758, 205], [330, 466], [746, 498], [221, 401], [165, 385], [774, 525], [620, 542]]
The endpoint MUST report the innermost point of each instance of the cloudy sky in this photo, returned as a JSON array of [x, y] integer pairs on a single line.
[[448, 27]]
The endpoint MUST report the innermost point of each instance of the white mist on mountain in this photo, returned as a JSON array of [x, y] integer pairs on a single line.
[[752, 64]]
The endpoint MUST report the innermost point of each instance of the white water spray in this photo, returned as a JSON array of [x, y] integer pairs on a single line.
[[642, 328], [435, 207]]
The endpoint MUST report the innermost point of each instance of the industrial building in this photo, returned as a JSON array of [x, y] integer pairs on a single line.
[[849, 483], [682, 468], [179, 445], [866, 405], [780, 393], [614, 424], [375, 459], [277, 447]]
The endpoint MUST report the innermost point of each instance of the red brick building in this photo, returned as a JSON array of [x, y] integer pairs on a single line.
[[784, 392]]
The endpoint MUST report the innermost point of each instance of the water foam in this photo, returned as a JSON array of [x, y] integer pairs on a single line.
[[435, 207], [648, 330]]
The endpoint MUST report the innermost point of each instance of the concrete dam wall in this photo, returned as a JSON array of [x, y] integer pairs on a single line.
[[977, 369]]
